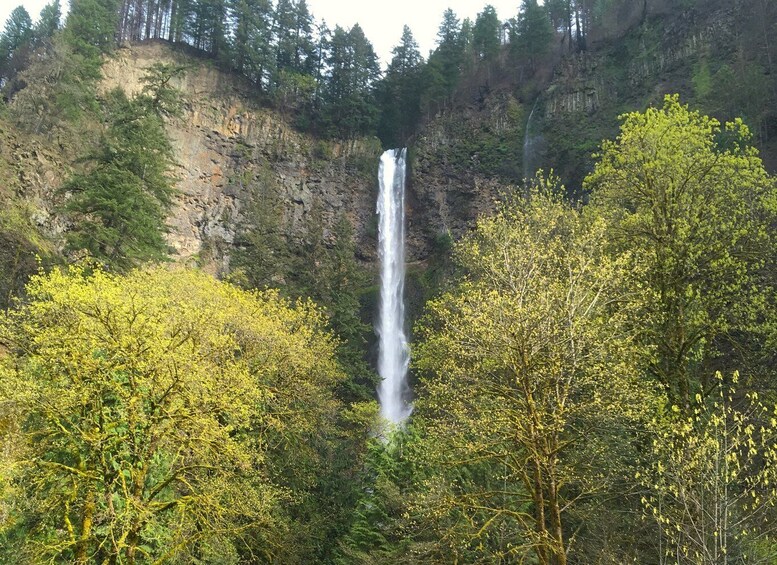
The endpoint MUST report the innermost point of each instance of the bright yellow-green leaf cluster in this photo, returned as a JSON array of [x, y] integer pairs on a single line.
[[143, 405], [711, 481], [691, 202], [522, 359]]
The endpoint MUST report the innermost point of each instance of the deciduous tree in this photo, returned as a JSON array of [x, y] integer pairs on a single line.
[[145, 407], [690, 202], [710, 480], [524, 362]]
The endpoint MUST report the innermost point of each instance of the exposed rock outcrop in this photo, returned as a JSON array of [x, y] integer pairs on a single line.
[[226, 146]]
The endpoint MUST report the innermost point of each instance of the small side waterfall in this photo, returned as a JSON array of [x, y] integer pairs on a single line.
[[393, 354], [528, 144]]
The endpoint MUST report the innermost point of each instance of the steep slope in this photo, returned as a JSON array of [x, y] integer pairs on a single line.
[[235, 156], [30, 171], [718, 55], [227, 148]]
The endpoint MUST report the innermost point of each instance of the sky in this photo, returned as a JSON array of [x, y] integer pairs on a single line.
[[381, 21]]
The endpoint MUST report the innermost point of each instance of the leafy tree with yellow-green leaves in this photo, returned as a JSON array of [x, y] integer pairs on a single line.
[[529, 370], [141, 414], [689, 202], [711, 480]]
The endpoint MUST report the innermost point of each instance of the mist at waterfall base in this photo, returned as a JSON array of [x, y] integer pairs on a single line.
[[393, 351]]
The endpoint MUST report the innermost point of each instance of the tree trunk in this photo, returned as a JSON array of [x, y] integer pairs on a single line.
[[557, 533], [539, 515], [81, 552]]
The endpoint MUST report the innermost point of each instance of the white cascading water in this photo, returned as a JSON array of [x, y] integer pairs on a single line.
[[528, 145], [393, 353]]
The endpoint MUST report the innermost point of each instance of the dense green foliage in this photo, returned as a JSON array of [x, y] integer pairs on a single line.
[[532, 33], [144, 411], [529, 373], [326, 81], [17, 32], [324, 269], [399, 93], [120, 203], [595, 381], [569, 409], [696, 222]]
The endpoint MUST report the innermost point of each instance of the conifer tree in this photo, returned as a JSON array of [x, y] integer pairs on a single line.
[[48, 22], [532, 34], [91, 27], [16, 35], [399, 92], [293, 27], [349, 104], [251, 42], [450, 49], [119, 205], [485, 34], [17, 31]]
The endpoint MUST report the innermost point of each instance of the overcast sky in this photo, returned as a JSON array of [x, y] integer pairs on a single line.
[[382, 21]]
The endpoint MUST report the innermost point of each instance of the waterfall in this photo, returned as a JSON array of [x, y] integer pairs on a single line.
[[393, 354], [528, 143]]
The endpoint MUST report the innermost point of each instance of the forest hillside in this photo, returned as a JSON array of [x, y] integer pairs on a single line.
[[189, 285]]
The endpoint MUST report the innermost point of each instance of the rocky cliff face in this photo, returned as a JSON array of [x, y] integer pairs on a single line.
[[227, 147], [460, 163], [33, 171], [612, 72], [719, 56]]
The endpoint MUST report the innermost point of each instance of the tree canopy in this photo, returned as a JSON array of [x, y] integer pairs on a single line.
[[521, 358], [690, 202], [142, 409]]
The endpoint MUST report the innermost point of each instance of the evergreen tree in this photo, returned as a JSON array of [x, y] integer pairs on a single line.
[[433, 92], [330, 275], [450, 49], [284, 27], [17, 34], [560, 14], [304, 52], [251, 42], [485, 34], [208, 27], [349, 104], [91, 28], [469, 55], [399, 92], [18, 30], [48, 22], [120, 204], [532, 34], [262, 257], [295, 86], [583, 10], [445, 62], [179, 10], [293, 26], [378, 534]]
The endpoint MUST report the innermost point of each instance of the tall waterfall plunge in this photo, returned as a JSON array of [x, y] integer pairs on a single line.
[[393, 354]]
